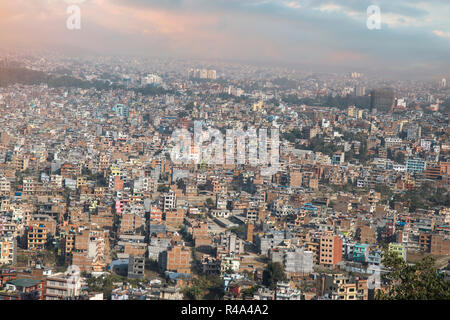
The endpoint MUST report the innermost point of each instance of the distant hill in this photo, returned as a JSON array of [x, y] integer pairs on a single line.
[[13, 75], [20, 75]]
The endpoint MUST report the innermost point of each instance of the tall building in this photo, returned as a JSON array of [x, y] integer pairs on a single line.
[[203, 74], [37, 237], [298, 261], [168, 201], [250, 227], [7, 250], [360, 91], [382, 100], [330, 250], [177, 259], [212, 74], [443, 83]]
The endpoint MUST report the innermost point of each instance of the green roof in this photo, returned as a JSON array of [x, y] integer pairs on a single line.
[[24, 283]]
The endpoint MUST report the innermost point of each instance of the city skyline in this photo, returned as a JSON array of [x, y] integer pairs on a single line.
[[224, 150], [318, 36]]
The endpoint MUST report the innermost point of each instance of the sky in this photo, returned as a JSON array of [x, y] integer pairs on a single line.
[[318, 35]]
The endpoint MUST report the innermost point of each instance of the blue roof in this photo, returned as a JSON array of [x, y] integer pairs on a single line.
[[119, 262], [175, 275]]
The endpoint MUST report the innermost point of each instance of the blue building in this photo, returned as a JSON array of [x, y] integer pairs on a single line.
[[119, 266], [337, 159], [374, 257], [415, 165], [360, 252], [121, 110], [309, 208]]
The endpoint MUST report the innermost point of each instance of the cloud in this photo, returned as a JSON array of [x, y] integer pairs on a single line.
[[321, 33], [293, 4], [441, 33]]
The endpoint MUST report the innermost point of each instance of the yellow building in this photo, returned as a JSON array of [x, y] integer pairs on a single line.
[[351, 112], [81, 181], [37, 236], [257, 106], [7, 250], [399, 249], [347, 291], [360, 114], [115, 171]]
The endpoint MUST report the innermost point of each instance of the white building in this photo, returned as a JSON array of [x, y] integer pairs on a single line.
[[63, 285], [152, 79], [299, 261]]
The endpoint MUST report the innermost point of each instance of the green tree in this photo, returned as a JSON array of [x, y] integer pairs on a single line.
[[193, 293], [421, 281], [358, 234], [210, 203], [399, 157], [363, 152], [273, 273], [163, 188], [208, 287]]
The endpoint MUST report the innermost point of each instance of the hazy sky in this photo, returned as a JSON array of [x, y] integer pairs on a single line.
[[322, 34]]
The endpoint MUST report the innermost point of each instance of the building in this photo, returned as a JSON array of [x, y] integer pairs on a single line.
[[330, 250], [415, 165], [37, 236], [285, 292], [153, 80], [340, 287], [229, 264], [157, 246], [62, 286], [133, 220], [249, 231], [136, 267], [8, 247], [360, 91], [360, 252], [26, 289], [382, 100], [398, 249], [168, 201], [233, 244], [177, 259], [298, 261], [212, 74], [269, 241], [175, 217], [295, 179], [440, 245], [5, 186]]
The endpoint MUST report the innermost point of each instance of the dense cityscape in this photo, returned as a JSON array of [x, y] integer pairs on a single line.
[[94, 207], [224, 158]]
